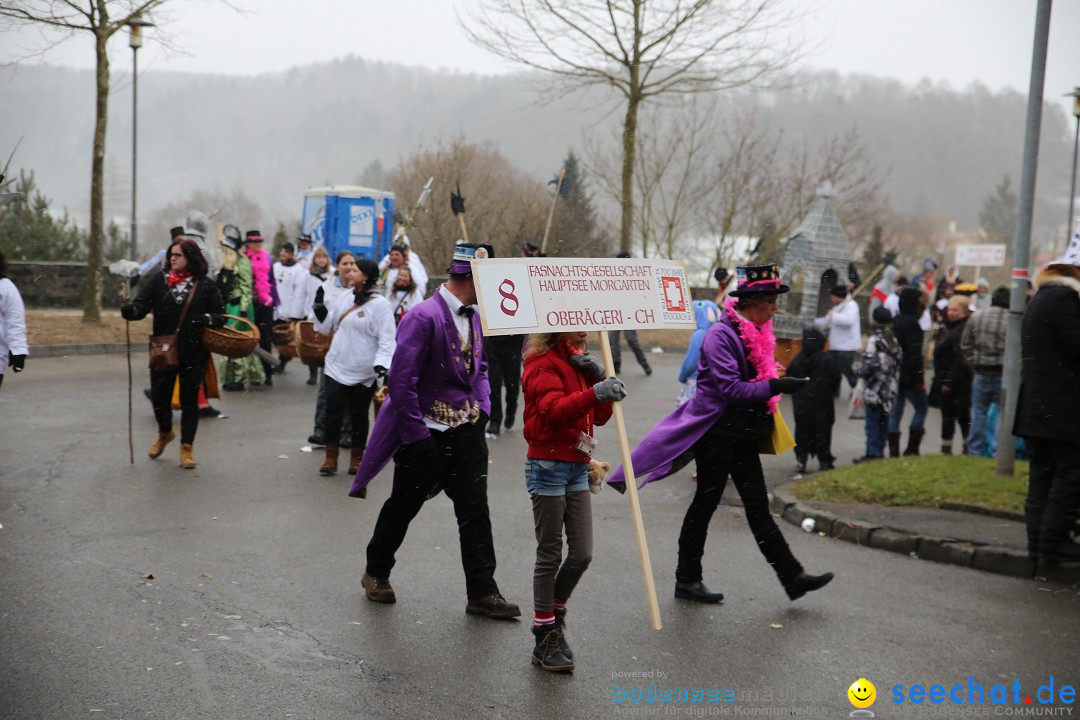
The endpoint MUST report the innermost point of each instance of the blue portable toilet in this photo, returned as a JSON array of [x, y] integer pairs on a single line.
[[349, 217]]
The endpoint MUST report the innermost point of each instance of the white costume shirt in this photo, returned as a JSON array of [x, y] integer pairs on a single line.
[[313, 283], [363, 339], [843, 326], [292, 290], [12, 323]]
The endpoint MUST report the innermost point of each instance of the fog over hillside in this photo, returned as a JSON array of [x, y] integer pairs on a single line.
[[940, 150]]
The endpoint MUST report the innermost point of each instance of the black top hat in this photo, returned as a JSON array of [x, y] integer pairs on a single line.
[[839, 291], [253, 236], [176, 232], [754, 280], [464, 252]]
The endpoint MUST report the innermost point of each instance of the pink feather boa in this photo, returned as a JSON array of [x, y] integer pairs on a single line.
[[260, 270], [761, 343]]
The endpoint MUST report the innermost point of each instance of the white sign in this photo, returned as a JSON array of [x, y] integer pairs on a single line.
[[532, 295], [980, 255]]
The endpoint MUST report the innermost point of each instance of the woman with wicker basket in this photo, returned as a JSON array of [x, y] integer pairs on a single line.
[[184, 302], [319, 271], [235, 282], [363, 343]]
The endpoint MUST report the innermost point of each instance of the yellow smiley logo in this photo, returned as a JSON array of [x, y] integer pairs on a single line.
[[862, 693]]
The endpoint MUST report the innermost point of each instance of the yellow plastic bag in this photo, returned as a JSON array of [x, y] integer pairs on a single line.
[[781, 439]]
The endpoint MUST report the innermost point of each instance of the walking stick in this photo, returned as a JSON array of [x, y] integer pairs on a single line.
[[457, 206], [127, 269], [551, 212]]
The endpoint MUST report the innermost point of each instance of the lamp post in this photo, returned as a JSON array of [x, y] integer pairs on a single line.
[[135, 25], [1075, 95]]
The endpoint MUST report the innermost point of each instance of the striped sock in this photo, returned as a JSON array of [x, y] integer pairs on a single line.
[[543, 619], [560, 605]]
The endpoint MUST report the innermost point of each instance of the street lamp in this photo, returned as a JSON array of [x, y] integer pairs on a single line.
[[135, 24], [1075, 95]]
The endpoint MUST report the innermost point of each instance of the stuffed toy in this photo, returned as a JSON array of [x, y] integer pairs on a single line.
[[597, 472]]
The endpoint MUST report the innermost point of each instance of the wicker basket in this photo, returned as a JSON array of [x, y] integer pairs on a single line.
[[284, 338], [231, 342], [311, 344]]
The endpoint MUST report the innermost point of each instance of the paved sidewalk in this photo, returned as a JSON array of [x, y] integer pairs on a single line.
[[993, 543]]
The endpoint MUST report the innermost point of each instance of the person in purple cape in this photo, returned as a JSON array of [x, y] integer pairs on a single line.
[[433, 425], [720, 428]]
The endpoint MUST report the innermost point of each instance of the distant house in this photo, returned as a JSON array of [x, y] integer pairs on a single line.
[[816, 259]]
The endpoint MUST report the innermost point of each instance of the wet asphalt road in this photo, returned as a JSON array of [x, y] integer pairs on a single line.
[[255, 609]]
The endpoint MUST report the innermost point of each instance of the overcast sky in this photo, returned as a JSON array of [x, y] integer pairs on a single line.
[[958, 41]]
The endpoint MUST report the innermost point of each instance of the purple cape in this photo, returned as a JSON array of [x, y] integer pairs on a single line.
[[722, 378]]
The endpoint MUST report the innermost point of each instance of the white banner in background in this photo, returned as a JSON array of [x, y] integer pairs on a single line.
[[533, 295]]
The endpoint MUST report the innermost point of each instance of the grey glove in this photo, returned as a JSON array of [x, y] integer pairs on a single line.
[[589, 366], [610, 389], [787, 385]]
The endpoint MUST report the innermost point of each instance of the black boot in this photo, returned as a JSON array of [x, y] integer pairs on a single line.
[[914, 439], [894, 444], [548, 652], [697, 592], [560, 625], [804, 583]]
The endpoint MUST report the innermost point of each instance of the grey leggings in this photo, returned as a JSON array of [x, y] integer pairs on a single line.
[[553, 577]]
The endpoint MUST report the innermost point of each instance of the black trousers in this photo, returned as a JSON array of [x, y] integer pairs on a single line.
[[460, 465], [357, 399], [955, 409], [717, 457], [1053, 498], [504, 368], [635, 346], [264, 320], [191, 372]]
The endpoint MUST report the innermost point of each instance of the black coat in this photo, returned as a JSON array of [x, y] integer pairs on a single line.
[[910, 337], [1049, 401], [156, 297], [814, 403], [949, 365]]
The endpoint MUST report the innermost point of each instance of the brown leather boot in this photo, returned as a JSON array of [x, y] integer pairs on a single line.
[[946, 448], [163, 439], [355, 456], [329, 466], [187, 460]]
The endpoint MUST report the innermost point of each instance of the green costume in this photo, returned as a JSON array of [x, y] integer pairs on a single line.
[[236, 288]]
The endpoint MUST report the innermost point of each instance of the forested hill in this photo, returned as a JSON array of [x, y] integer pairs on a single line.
[[941, 151]]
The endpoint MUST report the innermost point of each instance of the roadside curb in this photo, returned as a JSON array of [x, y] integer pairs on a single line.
[[44, 351], [989, 558]]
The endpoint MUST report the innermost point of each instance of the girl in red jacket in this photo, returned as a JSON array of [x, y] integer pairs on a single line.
[[566, 394]]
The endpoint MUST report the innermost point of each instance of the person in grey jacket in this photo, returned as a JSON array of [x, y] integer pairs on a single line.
[[983, 346]]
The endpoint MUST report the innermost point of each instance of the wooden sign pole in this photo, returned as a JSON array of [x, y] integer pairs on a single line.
[[631, 492]]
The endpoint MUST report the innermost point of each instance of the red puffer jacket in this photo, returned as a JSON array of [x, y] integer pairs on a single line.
[[559, 405]]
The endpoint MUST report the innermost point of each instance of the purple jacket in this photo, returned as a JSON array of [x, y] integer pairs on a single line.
[[427, 366], [722, 379]]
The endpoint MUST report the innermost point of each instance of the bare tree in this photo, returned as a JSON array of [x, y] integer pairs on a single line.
[[503, 206], [642, 49], [101, 19]]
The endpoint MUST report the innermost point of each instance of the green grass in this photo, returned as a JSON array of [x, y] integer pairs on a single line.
[[923, 481]]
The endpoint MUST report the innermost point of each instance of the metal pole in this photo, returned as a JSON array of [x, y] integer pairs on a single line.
[[1010, 386], [1072, 185], [134, 142]]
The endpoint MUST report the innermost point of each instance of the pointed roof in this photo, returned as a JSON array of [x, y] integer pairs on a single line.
[[822, 228]]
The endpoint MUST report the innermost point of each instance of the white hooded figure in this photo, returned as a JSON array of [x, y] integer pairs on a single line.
[[884, 287], [197, 228]]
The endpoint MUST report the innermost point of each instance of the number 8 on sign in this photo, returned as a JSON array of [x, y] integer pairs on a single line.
[[506, 289]]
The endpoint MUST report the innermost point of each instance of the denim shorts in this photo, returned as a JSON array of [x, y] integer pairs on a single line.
[[555, 477]]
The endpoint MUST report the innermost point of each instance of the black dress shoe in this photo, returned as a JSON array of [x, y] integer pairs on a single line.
[[697, 592], [804, 583]]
